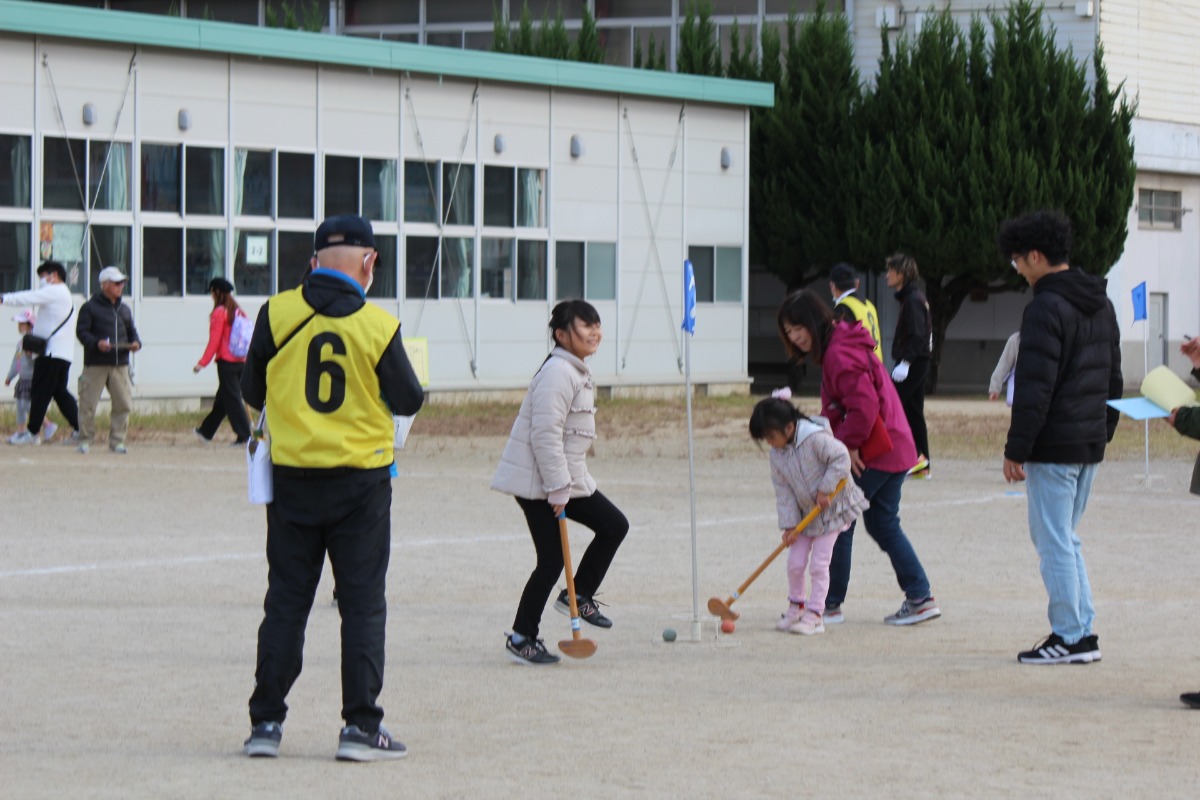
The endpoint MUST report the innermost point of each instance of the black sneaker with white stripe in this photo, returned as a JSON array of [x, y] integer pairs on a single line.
[[530, 652], [1053, 650], [355, 744], [589, 609]]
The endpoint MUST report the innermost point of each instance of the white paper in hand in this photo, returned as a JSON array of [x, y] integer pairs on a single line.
[[258, 468], [401, 425]]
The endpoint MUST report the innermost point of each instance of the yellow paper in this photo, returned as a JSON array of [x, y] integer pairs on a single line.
[[417, 348], [1167, 390]]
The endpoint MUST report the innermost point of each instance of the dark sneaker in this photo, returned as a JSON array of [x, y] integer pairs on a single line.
[[1190, 699], [264, 740], [531, 652], [1093, 643], [589, 611], [1053, 650], [355, 744], [911, 612]]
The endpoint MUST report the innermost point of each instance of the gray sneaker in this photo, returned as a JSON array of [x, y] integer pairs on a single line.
[[264, 740], [355, 744], [911, 612], [119, 449]]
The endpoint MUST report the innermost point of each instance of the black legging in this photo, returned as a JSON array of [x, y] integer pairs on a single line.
[[228, 403], [50, 382], [912, 398], [596, 512]]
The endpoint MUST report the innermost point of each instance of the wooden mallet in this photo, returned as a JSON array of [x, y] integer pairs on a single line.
[[721, 608], [576, 646]]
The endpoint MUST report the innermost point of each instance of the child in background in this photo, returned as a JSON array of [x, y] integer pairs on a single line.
[[807, 463], [22, 370]]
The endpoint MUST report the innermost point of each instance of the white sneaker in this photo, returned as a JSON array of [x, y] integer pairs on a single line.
[[790, 617], [833, 615], [48, 430], [84, 447], [809, 624], [24, 437]]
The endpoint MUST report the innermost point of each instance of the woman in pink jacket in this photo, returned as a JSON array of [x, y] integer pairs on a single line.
[[228, 401], [864, 412]]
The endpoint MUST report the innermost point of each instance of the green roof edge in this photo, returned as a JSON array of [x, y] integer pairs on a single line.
[[46, 19]]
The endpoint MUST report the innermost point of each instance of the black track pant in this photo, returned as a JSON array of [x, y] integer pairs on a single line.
[[596, 512], [228, 403], [50, 383], [347, 515], [912, 398]]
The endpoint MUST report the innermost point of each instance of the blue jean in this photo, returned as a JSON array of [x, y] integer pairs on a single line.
[[882, 521], [1058, 495]]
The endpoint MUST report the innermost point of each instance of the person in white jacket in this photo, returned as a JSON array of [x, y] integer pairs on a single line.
[[55, 310], [543, 467]]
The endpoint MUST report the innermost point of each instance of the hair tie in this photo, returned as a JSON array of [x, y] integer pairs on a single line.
[[782, 394]]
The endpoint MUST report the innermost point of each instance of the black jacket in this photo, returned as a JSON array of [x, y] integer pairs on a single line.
[[333, 297], [1068, 367], [99, 319], [914, 327]]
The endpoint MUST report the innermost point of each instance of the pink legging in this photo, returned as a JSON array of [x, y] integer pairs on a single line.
[[817, 565]]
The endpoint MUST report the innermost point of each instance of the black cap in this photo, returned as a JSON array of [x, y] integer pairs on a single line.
[[220, 285], [346, 229], [843, 276]]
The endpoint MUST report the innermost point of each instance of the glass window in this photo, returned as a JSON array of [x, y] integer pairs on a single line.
[[160, 177], [495, 268], [15, 263], [458, 194], [384, 284], [728, 275], [420, 191], [205, 177], [162, 262], [498, 196], [383, 12], [167, 7], [531, 198], [479, 40], [341, 185], [252, 182], [295, 257], [458, 260], [601, 271], [633, 8], [295, 193], [227, 11], [252, 261], [110, 248], [531, 270], [568, 270], [420, 262], [65, 243], [204, 259], [379, 189], [803, 6], [459, 11], [702, 267], [15, 171], [444, 39], [63, 167], [1158, 208], [108, 176], [745, 9]]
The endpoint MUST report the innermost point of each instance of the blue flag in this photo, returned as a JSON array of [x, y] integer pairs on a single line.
[[1139, 301], [689, 298]]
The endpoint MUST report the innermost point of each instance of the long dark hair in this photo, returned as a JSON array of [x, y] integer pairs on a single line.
[[563, 317], [222, 292], [805, 309], [772, 414]]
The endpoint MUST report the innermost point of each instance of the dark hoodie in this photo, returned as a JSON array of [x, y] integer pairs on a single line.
[[1068, 367]]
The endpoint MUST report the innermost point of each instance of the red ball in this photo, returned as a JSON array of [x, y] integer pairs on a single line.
[[727, 626]]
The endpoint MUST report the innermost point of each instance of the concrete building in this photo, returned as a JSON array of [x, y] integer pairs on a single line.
[[182, 149]]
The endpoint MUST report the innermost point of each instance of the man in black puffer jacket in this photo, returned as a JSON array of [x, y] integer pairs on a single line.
[[1068, 367]]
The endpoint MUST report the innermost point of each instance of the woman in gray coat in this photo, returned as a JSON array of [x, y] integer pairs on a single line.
[[543, 466]]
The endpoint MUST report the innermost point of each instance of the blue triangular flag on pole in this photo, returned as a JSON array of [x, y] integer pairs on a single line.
[[689, 298], [1139, 301]]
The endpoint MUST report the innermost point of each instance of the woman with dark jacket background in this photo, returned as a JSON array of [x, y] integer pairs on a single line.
[[911, 349], [1186, 420], [228, 401]]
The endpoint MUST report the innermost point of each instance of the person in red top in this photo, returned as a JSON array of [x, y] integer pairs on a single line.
[[228, 402], [860, 402]]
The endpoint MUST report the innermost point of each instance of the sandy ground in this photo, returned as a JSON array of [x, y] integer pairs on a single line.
[[131, 590]]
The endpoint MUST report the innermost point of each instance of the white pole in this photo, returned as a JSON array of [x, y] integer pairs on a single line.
[[1145, 370], [687, 371]]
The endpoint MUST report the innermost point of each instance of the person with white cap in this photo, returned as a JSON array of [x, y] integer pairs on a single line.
[[22, 369], [52, 336], [108, 335]]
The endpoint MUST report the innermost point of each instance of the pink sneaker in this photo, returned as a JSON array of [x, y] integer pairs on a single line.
[[809, 624], [790, 617]]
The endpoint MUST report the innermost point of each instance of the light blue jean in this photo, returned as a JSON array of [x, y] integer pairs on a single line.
[[1058, 495]]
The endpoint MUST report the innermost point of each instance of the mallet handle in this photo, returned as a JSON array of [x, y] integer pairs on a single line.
[[809, 517]]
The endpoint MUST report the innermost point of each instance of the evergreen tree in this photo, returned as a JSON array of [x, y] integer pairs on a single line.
[[800, 149], [501, 32], [553, 41], [699, 51], [743, 63], [587, 46], [524, 43]]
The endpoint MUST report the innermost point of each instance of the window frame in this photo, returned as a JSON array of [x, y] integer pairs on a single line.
[[1173, 210]]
